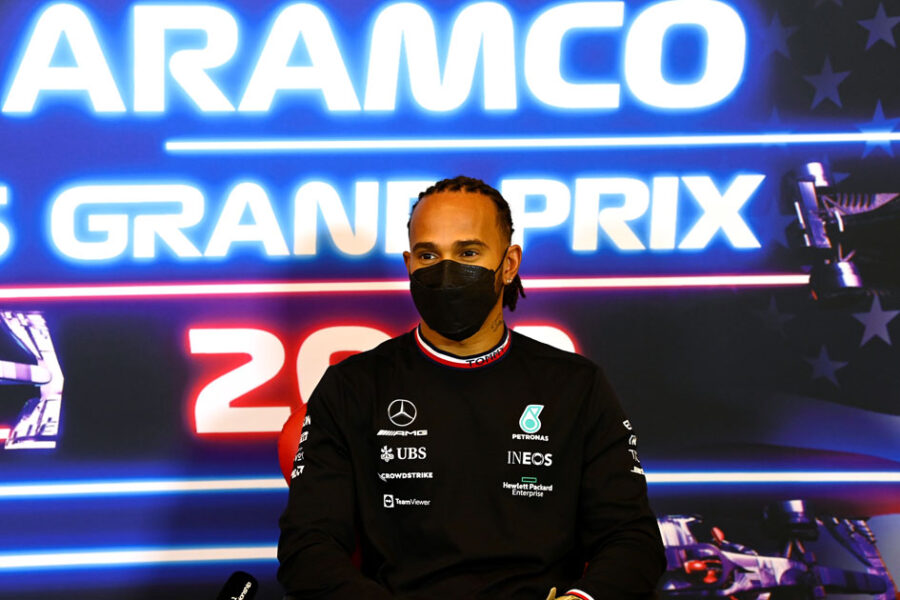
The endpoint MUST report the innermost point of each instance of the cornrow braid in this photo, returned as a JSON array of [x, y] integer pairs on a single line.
[[512, 291]]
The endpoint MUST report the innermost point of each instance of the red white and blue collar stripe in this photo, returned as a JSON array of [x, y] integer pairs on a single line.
[[476, 361]]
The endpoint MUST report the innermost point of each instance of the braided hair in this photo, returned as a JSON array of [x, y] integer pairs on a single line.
[[512, 291]]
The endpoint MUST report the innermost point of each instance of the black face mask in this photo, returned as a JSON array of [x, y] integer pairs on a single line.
[[454, 298]]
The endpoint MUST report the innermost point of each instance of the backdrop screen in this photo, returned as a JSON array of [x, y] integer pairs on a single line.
[[203, 205]]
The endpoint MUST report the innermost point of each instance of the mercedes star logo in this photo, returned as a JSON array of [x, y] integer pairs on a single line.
[[401, 412]]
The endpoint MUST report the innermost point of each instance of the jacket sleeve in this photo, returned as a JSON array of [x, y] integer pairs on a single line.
[[617, 529], [317, 527]]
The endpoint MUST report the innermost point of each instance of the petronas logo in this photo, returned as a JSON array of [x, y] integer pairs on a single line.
[[530, 422]]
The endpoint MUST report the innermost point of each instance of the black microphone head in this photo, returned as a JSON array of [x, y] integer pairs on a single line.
[[240, 586]]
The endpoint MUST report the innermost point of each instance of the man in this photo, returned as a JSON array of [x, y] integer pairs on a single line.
[[468, 461]]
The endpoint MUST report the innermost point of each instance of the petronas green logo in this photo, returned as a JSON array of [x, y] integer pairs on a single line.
[[530, 421]]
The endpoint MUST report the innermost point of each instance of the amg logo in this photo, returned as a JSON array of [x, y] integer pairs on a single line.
[[538, 459], [402, 433]]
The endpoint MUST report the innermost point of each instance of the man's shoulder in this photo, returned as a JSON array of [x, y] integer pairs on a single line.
[[363, 371], [552, 356], [387, 351]]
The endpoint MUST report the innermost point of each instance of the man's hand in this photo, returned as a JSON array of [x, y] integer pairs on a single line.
[[552, 596]]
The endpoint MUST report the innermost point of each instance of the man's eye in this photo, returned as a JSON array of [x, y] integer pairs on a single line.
[[426, 256], [470, 253]]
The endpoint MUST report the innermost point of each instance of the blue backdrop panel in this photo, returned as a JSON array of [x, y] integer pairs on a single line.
[[202, 205]]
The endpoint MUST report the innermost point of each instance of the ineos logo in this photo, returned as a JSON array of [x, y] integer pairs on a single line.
[[401, 412], [538, 459]]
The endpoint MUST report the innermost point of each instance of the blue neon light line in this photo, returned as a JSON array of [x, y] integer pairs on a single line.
[[126, 557], [74, 489], [708, 478], [523, 143]]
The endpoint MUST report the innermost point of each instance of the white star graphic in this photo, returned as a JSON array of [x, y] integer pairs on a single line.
[[878, 124], [824, 367], [826, 84], [876, 322], [772, 318], [775, 37], [880, 27]]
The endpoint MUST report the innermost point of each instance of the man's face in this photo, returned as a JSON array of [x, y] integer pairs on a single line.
[[455, 225]]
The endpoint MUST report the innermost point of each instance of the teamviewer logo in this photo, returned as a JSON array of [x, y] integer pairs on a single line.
[[389, 501]]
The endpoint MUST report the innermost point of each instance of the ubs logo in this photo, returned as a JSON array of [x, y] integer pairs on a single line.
[[405, 453], [401, 412]]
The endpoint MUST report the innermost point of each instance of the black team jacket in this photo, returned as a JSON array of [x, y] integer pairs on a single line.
[[492, 476]]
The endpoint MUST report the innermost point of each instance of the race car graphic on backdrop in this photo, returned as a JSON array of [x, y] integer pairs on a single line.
[[37, 424]]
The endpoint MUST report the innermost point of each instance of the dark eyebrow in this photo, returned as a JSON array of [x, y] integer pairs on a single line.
[[424, 246], [465, 243], [431, 246]]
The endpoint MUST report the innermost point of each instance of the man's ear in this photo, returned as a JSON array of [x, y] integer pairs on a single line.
[[406, 257], [512, 262]]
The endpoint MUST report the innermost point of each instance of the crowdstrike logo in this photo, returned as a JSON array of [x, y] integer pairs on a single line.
[[401, 412], [406, 475]]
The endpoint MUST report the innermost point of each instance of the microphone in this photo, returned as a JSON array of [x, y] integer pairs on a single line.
[[240, 586]]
